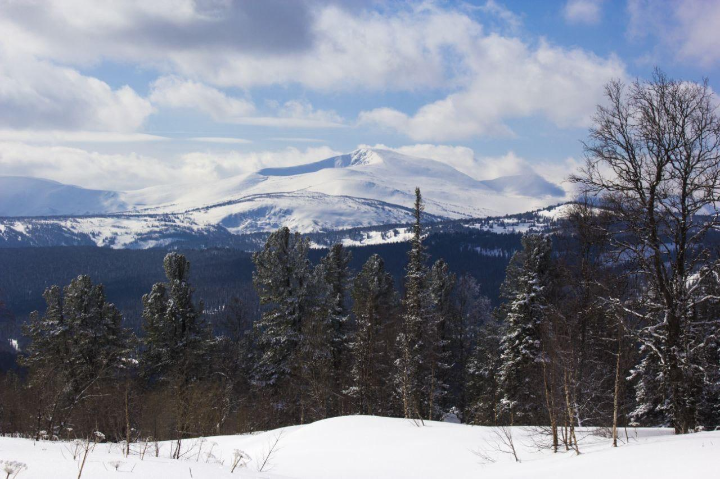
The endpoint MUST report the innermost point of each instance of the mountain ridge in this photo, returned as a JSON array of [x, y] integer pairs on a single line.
[[366, 187]]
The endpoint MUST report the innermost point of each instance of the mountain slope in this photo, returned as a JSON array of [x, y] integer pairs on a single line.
[[23, 196], [364, 188]]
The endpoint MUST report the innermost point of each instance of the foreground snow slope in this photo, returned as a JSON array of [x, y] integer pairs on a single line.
[[374, 447]]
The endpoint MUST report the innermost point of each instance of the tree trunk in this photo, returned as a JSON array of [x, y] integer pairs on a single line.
[[616, 398], [127, 420], [550, 402]]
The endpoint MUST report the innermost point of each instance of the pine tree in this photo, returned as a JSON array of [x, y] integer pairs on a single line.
[[410, 362], [437, 338], [482, 376], [374, 307], [282, 279], [176, 339], [78, 343], [524, 374], [334, 272]]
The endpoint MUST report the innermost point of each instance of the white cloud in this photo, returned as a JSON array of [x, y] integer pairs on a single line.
[[328, 47], [425, 46], [64, 136], [92, 169], [174, 92], [464, 160], [583, 11], [688, 28], [296, 139], [221, 140], [37, 94], [81, 167], [215, 165], [508, 17], [511, 80]]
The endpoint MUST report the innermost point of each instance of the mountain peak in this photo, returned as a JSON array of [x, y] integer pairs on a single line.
[[365, 156]]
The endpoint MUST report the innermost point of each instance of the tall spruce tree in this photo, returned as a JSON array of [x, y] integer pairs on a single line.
[[437, 331], [410, 363], [75, 345], [481, 376], [177, 340], [334, 272], [282, 279], [374, 307], [524, 374]]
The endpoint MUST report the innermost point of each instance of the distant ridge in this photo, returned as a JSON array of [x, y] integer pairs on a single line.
[[366, 187]]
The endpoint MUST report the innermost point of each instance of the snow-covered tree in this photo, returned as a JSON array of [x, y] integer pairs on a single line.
[[374, 308], [282, 279], [653, 158], [481, 376], [524, 373], [437, 331], [410, 362], [75, 345], [334, 272], [177, 340]]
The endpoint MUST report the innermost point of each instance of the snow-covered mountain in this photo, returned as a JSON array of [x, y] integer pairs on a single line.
[[364, 188], [22, 196]]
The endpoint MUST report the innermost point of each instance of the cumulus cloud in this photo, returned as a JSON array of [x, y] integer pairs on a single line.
[[174, 92], [688, 28], [40, 95], [316, 44], [583, 11], [510, 80], [207, 46], [86, 30], [223, 164], [464, 160], [92, 169]]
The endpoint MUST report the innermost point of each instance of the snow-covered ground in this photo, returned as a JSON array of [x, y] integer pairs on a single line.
[[374, 447]]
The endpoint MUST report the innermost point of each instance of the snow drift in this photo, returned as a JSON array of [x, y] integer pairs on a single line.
[[365, 446]]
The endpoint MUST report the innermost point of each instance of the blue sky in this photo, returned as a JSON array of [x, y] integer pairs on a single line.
[[124, 95]]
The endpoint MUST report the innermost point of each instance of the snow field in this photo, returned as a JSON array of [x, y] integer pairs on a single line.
[[353, 447]]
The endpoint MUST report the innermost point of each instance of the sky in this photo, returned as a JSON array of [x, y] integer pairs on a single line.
[[129, 94]]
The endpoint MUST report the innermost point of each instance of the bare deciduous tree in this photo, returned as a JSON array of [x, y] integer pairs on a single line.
[[654, 158]]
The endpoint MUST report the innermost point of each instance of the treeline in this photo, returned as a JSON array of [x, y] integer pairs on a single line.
[[218, 274]]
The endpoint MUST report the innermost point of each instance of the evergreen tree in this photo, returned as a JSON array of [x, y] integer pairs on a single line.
[[482, 376], [176, 339], [524, 374], [410, 363], [374, 307], [77, 344], [282, 279], [437, 338], [335, 274]]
